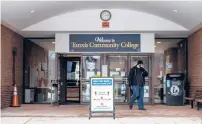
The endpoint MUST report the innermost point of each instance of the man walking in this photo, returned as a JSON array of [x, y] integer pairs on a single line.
[[136, 80]]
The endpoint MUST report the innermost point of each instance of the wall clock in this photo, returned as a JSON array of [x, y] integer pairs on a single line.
[[105, 15]]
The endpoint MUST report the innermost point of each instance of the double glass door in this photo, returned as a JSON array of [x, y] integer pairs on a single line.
[[118, 67]]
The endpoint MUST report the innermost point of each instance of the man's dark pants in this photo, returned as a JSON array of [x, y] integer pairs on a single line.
[[138, 93]]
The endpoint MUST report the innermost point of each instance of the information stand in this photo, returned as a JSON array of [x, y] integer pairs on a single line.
[[102, 96]]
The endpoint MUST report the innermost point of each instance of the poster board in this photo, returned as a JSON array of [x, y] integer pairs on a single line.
[[104, 70], [102, 96]]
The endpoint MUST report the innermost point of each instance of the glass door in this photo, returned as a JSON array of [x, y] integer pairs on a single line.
[[73, 79], [118, 70], [90, 68], [70, 77], [145, 59]]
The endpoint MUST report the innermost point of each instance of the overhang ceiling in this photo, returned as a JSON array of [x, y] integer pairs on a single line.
[[47, 44], [16, 15], [164, 44]]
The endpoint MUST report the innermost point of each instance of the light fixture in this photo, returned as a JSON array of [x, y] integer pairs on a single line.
[[175, 10], [32, 11], [158, 42], [53, 42], [154, 46]]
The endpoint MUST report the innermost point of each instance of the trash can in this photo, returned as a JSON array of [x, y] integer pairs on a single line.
[[175, 89]]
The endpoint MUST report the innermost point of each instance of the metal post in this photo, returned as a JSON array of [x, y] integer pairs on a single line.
[[13, 69], [51, 93], [151, 79]]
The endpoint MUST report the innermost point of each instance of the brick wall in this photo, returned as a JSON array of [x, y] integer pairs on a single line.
[[10, 39], [0, 67], [195, 61]]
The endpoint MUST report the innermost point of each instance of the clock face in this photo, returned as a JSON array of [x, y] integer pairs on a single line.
[[105, 15]]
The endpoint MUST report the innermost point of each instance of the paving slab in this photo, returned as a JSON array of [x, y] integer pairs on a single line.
[[82, 111], [74, 121], [15, 120], [82, 120]]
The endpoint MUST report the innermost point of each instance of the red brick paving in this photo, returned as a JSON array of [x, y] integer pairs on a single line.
[[82, 111]]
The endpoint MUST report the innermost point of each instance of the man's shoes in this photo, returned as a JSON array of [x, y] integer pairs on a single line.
[[130, 107], [142, 109]]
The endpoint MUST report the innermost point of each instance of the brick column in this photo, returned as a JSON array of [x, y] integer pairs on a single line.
[[10, 39], [195, 61]]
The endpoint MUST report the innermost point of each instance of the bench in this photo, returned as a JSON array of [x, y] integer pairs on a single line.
[[197, 98]]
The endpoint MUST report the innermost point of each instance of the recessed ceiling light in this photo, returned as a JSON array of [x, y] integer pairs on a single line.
[[175, 10], [158, 42], [32, 11], [53, 42]]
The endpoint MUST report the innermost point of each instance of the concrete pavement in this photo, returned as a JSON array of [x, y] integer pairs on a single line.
[[78, 114], [82, 120], [122, 111]]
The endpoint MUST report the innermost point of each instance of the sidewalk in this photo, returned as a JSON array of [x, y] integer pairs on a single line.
[[78, 114], [132, 120], [82, 111]]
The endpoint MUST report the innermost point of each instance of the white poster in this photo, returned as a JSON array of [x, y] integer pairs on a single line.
[[102, 94], [123, 74], [169, 65], [146, 91]]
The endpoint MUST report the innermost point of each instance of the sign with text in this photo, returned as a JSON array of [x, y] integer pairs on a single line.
[[104, 43], [102, 97]]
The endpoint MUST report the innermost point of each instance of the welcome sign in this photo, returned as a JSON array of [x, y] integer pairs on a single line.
[[104, 43]]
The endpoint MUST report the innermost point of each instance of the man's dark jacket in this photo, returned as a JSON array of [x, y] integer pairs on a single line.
[[134, 73]]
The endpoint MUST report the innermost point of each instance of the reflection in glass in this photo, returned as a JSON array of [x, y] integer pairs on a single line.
[[72, 70], [91, 68], [40, 70], [118, 69], [86, 91], [72, 81], [117, 66], [43, 95], [120, 91]]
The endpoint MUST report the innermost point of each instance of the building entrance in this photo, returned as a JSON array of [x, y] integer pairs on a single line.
[[77, 71]]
